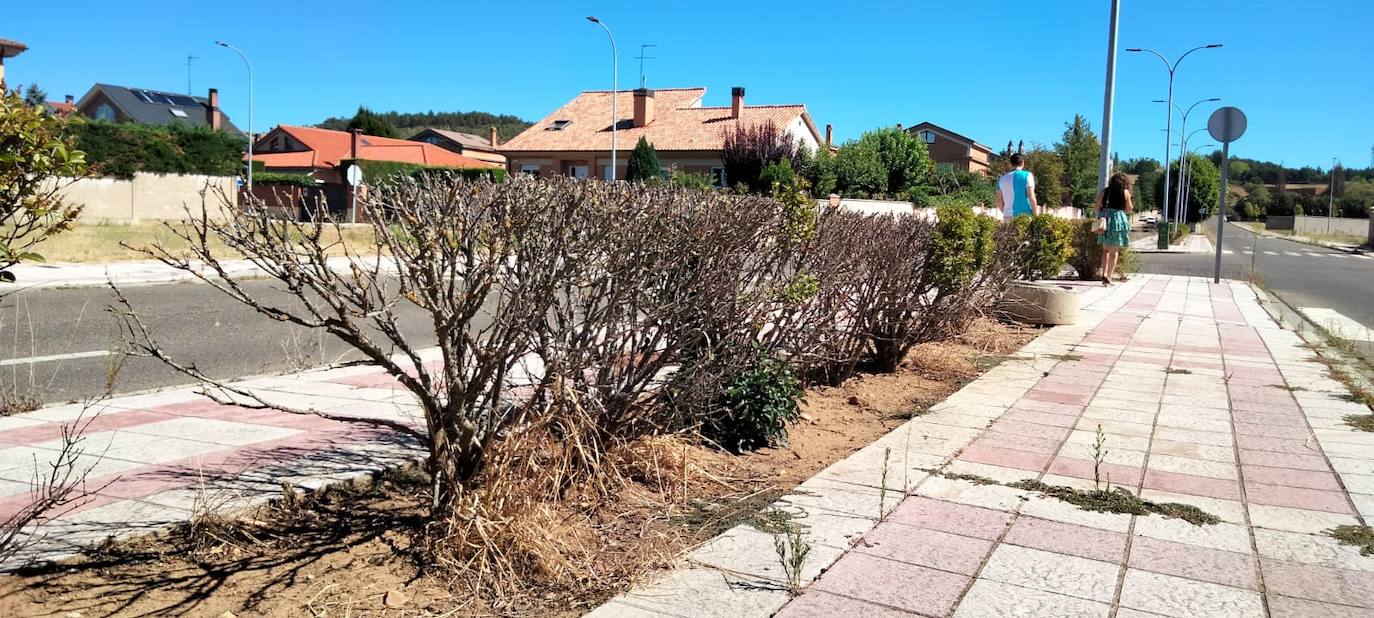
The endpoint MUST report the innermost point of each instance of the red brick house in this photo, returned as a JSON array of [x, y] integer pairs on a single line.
[[951, 150]]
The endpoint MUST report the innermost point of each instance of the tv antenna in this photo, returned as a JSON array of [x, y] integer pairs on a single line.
[[642, 58], [189, 60]]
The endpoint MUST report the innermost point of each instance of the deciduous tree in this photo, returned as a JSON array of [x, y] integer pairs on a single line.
[[1078, 150]]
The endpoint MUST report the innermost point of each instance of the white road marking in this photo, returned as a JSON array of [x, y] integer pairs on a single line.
[[1293, 253], [1338, 324], [53, 357], [1270, 253], [1362, 256], [1227, 252]]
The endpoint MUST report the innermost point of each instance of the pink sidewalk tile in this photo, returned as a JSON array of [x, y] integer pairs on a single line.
[[1080, 541], [1051, 396], [1194, 562], [925, 547], [912, 588], [1248, 426], [821, 604], [1298, 498], [1250, 457], [1319, 583], [1007, 458], [107, 420], [1286, 446], [931, 514], [1192, 485], [1288, 607]]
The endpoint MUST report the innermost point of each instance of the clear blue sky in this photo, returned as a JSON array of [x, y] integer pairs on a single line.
[[991, 70]]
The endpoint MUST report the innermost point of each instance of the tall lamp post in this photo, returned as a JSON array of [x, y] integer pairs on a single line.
[[1331, 197], [1187, 172], [615, 72], [1184, 167], [1183, 130], [1163, 242], [250, 108]]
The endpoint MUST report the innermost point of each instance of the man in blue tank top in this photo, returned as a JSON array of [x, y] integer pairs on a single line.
[[1016, 190]]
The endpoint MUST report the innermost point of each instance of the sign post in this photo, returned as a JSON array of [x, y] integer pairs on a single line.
[[354, 176], [1226, 125]]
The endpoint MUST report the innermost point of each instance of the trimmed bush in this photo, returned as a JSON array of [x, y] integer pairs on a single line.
[[283, 178], [962, 246], [758, 405], [122, 149], [1087, 254], [1049, 243]]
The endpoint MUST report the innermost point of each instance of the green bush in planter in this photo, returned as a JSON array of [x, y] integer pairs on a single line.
[[963, 245], [1087, 254], [1048, 244], [756, 407]]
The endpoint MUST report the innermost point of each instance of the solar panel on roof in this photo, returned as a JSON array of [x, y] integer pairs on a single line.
[[185, 101], [140, 95]]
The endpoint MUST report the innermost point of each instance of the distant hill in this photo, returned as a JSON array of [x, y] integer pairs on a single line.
[[476, 123]]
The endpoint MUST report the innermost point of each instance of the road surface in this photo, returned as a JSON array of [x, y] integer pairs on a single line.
[[56, 343]]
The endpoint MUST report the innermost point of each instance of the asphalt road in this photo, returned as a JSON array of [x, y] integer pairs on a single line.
[[192, 321], [1300, 274]]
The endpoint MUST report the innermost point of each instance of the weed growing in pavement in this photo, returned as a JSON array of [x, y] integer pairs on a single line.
[[712, 518], [1361, 422], [1359, 536], [1068, 358], [1174, 371], [984, 363], [1118, 500], [1286, 387], [792, 552], [972, 478], [1099, 454], [13, 401], [882, 487]]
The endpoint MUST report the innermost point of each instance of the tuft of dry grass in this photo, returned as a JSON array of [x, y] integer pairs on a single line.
[[14, 400], [96, 242]]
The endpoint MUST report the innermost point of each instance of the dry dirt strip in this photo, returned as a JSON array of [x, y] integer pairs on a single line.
[[1194, 398]]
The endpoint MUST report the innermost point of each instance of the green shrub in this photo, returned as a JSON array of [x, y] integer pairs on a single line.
[[121, 149], [688, 180], [963, 245], [377, 171], [1128, 262], [1049, 243], [643, 165], [777, 174], [283, 178], [756, 407]]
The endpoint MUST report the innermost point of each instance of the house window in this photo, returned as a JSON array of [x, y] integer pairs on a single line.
[[928, 137], [606, 172], [529, 168], [178, 113], [718, 177], [578, 171], [558, 125], [432, 139], [105, 112]]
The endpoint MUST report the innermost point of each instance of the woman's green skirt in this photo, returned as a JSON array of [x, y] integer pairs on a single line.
[[1118, 232]]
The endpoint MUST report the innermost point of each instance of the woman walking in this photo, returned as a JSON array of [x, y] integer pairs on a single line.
[[1114, 205]]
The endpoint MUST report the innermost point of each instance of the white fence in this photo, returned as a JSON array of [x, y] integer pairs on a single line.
[[893, 207]]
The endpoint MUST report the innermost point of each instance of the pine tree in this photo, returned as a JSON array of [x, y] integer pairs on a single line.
[[643, 164], [371, 123], [1078, 150], [35, 96]]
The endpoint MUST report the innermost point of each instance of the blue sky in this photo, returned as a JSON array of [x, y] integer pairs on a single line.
[[991, 70]]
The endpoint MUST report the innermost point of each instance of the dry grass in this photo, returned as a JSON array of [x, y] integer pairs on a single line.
[[101, 242]]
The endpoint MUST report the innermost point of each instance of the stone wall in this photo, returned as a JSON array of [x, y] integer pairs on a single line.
[[147, 197], [1305, 225]]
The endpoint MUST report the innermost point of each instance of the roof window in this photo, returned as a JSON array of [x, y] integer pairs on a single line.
[[558, 125], [178, 113]]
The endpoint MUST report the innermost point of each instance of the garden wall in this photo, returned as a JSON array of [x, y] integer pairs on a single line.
[[1338, 225], [146, 197]]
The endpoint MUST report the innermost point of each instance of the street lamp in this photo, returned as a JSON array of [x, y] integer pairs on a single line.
[[1331, 197], [1164, 232], [615, 71], [1182, 129], [1185, 166], [250, 109], [1187, 171]]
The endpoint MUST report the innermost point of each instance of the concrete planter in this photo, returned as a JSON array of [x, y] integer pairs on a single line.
[[1040, 303]]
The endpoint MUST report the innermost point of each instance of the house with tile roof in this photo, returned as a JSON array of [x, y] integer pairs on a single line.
[[144, 106], [575, 140], [466, 144], [951, 150], [321, 151]]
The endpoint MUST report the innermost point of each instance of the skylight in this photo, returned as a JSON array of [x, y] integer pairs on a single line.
[[178, 113], [558, 125]]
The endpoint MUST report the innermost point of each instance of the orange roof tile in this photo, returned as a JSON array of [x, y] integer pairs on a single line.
[[327, 148], [679, 123]]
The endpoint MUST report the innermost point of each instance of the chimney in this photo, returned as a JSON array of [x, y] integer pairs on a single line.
[[353, 144], [70, 99], [899, 126], [212, 114], [644, 107], [829, 131], [736, 101], [492, 139]]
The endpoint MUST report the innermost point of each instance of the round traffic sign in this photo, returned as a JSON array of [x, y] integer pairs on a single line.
[[354, 175], [1226, 124]]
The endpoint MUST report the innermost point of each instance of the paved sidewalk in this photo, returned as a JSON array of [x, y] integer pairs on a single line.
[[1192, 243], [1203, 400], [152, 460], [134, 272]]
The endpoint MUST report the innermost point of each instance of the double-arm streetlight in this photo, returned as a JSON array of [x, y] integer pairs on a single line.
[[1188, 170], [1182, 149], [1173, 67], [250, 108], [615, 72]]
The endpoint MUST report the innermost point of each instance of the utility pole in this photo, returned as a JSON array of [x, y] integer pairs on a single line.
[[1104, 164], [189, 60], [642, 58], [1331, 196]]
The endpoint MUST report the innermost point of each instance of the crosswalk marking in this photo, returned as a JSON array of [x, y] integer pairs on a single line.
[[1270, 253], [1227, 252], [1310, 254], [1293, 253]]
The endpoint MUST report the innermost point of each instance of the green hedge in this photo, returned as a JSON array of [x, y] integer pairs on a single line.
[[963, 245], [121, 149], [1049, 243], [377, 171], [282, 178]]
